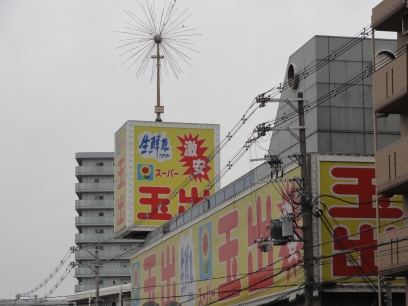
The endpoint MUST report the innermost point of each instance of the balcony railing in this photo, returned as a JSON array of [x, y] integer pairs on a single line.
[[84, 255], [111, 271], [108, 220], [94, 170], [390, 87], [392, 250], [387, 15], [94, 204], [80, 288], [392, 168], [94, 187], [94, 238]]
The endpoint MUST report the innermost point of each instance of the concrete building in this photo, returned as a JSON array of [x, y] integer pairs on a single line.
[[343, 120], [95, 208], [391, 97]]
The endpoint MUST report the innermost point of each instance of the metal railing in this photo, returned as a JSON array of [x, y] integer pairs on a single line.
[[102, 220], [87, 170], [89, 187], [96, 204]]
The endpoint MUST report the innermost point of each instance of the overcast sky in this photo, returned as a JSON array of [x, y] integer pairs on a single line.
[[63, 89]]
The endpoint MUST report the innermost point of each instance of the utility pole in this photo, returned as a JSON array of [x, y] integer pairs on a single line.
[[307, 215], [96, 266], [304, 161]]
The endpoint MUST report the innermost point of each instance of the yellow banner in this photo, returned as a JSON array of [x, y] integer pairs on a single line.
[[217, 261], [165, 158], [120, 181], [348, 192]]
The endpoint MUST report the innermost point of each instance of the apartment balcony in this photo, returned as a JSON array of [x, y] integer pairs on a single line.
[[80, 288], [94, 204], [393, 255], [104, 254], [94, 187], [80, 221], [391, 87], [114, 289], [94, 170], [103, 272], [94, 238], [386, 16], [392, 168]]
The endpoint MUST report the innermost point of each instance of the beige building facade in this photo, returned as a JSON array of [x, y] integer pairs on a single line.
[[391, 97]]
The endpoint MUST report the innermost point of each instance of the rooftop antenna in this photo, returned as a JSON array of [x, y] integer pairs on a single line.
[[164, 39]]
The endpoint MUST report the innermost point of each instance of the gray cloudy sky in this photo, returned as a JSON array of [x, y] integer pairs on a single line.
[[63, 89]]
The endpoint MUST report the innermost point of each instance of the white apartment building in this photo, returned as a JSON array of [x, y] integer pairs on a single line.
[[95, 222]]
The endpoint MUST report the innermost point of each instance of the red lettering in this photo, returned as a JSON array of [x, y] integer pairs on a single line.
[[158, 206], [192, 199], [149, 284], [205, 297], [363, 189], [168, 267], [290, 252], [121, 209], [158, 173], [260, 278], [365, 245], [228, 252], [121, 173]]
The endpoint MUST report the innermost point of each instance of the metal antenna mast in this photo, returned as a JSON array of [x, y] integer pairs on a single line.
[[158, 109], [163, 37]]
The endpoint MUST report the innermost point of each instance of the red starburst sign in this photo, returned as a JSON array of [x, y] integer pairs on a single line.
[[193, 158]]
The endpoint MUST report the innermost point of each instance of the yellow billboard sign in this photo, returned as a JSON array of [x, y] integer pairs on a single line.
[[216, 260], [168, 167], [347, 189], [164, 159], [120, 180]]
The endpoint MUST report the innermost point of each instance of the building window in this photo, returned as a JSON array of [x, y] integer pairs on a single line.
[[101, 282], [100, 214], [98, 197], [99, 164], [99, 231], [113, 282], [96, 180], [101, 248]]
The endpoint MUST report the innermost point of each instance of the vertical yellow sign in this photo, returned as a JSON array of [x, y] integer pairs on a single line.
[[348, 237], [165, 158], [120, 180]]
